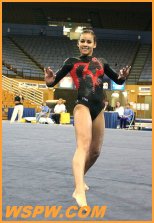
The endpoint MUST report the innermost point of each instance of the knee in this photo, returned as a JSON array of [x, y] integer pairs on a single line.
[[83, 140], [96, 154], [84, 145]]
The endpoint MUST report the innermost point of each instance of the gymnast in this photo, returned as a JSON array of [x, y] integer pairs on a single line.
[[87, 73]]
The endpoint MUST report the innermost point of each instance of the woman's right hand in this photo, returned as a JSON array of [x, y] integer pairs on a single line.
[[49, 76]]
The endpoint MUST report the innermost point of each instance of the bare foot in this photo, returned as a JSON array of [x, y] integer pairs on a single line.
[[80, 198]]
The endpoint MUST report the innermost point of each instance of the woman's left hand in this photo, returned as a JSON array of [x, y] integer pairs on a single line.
[[124, 72]]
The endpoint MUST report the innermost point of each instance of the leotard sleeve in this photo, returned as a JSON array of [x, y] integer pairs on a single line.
[[111, 73], [62, 72]]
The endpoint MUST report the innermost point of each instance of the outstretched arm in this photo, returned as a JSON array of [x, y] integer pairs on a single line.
[[52, 79], [118, 78]]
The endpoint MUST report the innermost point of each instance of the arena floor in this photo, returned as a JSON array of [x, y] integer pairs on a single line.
[[37, 171]]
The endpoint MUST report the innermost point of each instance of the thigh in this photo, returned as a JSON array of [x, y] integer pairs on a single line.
[[20, 109], [53, 115], [15, 112], [83, 125], [98, 127]]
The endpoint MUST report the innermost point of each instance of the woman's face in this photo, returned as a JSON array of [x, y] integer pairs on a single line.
[[60, 101], [106, 103], [118, 104], [86, 44]]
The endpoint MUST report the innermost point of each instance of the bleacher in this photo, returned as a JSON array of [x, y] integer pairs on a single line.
[[8, 71], [146, 75], [47, 51], [117, 53], [24, 55], [52, 51], [18, 61]]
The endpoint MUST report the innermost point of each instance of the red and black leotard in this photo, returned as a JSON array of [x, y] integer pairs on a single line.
[[87, 73]]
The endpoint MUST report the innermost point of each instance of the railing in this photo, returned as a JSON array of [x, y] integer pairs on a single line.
[[31, 94]]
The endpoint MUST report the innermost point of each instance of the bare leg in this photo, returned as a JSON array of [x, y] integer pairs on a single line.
[[97, 141], [83, 130], [20, 112], [14, 114]]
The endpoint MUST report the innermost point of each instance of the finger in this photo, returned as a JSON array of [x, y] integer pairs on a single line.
[[128, 69], [49, 69], [121, 71]]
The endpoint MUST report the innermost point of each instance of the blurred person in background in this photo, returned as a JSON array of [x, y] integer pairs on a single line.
[[18, 108], [107, 106], [43, 113], [58, 109], [126, 117], [119, 109]]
